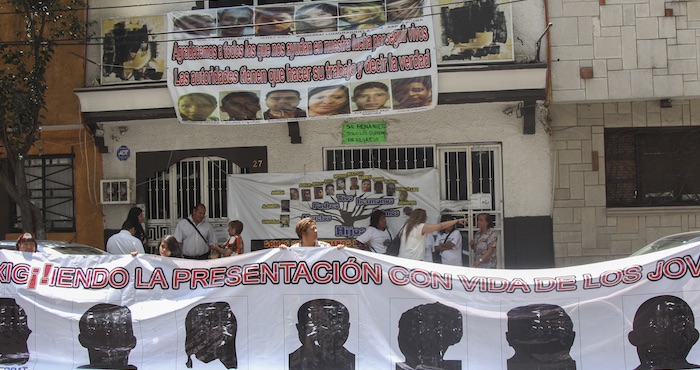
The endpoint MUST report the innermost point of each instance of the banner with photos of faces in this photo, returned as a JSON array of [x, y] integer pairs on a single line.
[[329, 308], [271, 204], [291, 62]]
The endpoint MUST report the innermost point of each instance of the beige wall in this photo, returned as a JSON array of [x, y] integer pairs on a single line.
[[584, 229]]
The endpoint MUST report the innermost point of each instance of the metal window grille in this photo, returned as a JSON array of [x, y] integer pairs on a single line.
[[470, 176], [50, 180], [652, 167], [187, 183], [389, 158]]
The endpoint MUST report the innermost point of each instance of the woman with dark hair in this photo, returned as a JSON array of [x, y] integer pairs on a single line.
[[329, 101], [376, 235], [136, 215], [170, 247], [484, 243], [414, 230], [26, 243]]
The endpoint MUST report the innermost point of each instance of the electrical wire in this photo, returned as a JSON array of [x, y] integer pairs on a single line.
[[154, 35]]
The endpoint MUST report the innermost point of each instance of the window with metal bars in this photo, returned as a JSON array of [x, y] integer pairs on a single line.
[[51, 187], [396, 158], [652, 167], [186, 183], [464, 170]]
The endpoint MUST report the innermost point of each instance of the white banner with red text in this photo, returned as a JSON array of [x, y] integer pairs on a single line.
[[248, 64], [328, 308]]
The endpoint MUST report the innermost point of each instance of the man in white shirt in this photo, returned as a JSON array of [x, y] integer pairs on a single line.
[[450, 246], [124, 242], [196, 235], [376, 235]]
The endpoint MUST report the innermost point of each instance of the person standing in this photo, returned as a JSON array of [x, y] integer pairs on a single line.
[[484, 243], [450, 245], [195, 234], [376, 235], [413, 235], [124, 241], [234, 244], [136, 215], [26, 243]]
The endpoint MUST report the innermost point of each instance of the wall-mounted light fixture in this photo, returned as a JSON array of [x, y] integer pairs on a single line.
[[666, 103], [123, 130]]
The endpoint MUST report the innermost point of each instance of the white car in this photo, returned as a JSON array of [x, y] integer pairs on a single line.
[[668, 242], [53, 247]]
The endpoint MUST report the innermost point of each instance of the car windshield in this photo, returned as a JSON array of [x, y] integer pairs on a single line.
[[668, 242], [76, 249]]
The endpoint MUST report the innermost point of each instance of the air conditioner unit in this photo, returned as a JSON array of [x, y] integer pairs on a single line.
[[116, 191]]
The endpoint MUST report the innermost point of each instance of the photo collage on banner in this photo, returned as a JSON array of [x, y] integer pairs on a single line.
[[341, 202], [247, 64]]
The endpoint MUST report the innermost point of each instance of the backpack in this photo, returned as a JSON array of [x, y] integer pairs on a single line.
[[394, 244]]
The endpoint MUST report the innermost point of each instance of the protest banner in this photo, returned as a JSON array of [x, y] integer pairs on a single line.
[[270, 204], [275, 309], [276, 69]]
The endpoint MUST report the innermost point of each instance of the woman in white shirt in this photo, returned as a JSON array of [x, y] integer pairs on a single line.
[[375, 236], [413, 234]]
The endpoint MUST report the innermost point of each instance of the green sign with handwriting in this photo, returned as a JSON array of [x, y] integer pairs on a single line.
[[364, 133]]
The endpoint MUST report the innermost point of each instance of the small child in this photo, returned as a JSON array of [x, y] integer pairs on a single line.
[[170, 247], [234, 244]]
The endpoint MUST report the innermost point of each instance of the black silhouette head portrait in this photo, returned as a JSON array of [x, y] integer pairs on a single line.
[[211, 334], [664, 332], [541, 335], [425, 334], [14, 333], [323, 326], [107, 333]]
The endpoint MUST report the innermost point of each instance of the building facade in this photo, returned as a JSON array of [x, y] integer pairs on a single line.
[[624, 125], [64, 167], [486, 137]]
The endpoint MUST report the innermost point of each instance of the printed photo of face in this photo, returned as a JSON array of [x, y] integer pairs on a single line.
[[390, 189], [294, 194], [412, 92], [319, 17], [353, 183], [275, 20], [306, 195], [340, 183], [284, 220], [241, 105], [196, 24], [196, 107], [235, 22], [329, 101], [366, 186], [378, 187], [371, 96], [318, 192], [283, 104]]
